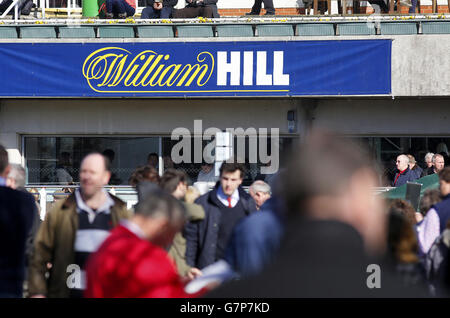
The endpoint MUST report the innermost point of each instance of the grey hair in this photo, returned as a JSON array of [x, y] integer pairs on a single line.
[[429, 155], [404, 157], [433, 160], [161, 204], [18, 174], [260, 186]]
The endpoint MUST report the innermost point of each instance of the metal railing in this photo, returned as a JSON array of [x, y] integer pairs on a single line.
[[46, 195]]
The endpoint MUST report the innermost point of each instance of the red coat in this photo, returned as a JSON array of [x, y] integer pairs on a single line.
[[127, 266]]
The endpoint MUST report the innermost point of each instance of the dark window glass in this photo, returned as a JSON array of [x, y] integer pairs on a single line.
[[56, 160]]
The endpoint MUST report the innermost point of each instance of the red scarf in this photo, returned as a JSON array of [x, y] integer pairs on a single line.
[[398, 175]]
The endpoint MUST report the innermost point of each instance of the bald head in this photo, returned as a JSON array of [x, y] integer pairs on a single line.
[[94, 174], [402, 162]]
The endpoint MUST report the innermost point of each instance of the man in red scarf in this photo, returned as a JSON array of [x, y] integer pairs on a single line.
[[404, 174]]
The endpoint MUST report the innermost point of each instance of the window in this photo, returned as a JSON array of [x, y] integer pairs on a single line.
[[56, 159], [385, 150]]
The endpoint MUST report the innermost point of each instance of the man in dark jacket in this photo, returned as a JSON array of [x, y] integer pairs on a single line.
[[224, 207], [72, 230], [198, 8], [158, 9], [404, 174], [17, 211]]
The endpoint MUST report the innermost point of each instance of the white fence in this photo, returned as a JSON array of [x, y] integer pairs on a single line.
[[47, 195]]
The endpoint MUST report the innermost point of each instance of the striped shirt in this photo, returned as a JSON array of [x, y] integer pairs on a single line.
[[93, 228]]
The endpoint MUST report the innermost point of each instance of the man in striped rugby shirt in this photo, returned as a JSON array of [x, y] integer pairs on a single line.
[[72, 230]]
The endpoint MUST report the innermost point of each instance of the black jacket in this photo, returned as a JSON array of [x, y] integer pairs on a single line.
[[209, 3], [318, 259], [427, 172], [17, 213], [166, 3], [201, 237]]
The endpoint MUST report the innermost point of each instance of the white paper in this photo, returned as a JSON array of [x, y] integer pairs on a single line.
[[217, 272]]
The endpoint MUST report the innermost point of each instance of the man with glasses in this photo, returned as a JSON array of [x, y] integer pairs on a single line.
[[404, 174]]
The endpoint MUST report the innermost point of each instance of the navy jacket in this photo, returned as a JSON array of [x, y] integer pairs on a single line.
[[407, 176], [201, 236], [255, 240], [443, 211], [427, 172], [417, 171], [17, 212]]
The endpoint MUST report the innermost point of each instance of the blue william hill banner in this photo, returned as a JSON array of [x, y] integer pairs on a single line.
[[295, 68]]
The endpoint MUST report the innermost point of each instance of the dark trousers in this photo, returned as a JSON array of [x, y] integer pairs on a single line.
[[268, 5], [412, 8], [383, 6], [151, 13], [119, 6], [193, 12]]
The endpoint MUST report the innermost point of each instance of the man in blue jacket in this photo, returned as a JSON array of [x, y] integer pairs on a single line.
[[224, 207], [404, 174]]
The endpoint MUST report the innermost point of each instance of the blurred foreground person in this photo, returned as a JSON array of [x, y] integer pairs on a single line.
[[72, 230], [256, 240], [437, 217], [16, 180], [437, 266], [17, 212], [132, 262], [144, 173], [402, 243], [174, 182], [334, 223], [192, 194], [429, 198]]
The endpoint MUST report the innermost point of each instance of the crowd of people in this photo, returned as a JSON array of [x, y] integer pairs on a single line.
[[311, 233], [408, 170], [165, 9]]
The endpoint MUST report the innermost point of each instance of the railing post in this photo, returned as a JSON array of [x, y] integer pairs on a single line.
[[16, 12], [43, 202], [43, 8]]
